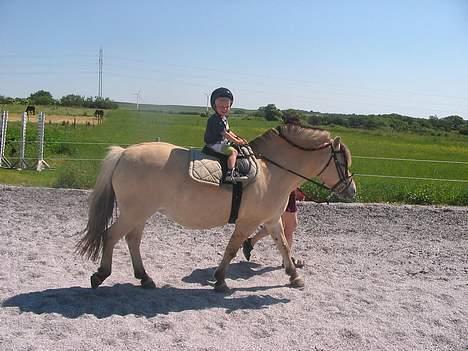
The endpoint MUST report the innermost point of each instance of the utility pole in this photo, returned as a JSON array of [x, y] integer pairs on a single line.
[[101, 60]]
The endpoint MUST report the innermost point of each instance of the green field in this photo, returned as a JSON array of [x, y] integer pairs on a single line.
[[73, 154]]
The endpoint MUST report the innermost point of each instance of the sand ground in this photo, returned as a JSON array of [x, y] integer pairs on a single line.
[[378, 277]]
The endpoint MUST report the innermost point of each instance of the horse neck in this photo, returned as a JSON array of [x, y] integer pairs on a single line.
[[306, 163]]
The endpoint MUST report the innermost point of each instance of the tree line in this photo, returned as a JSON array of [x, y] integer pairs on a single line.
[[42, 97], [391, 121]]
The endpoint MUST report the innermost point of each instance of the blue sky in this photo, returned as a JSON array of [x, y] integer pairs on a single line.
[[362, 56]]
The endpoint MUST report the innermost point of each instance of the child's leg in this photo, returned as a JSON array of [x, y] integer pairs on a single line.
[[231, 161]]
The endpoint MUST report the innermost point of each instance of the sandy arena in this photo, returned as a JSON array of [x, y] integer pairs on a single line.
[[378, 277]]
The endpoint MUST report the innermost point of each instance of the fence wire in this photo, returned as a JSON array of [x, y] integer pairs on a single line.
[[12, 153]]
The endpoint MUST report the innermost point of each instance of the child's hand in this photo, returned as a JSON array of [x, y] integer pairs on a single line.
[[241, 141]]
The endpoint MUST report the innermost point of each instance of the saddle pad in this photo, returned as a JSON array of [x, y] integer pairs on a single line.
[[204, 168]]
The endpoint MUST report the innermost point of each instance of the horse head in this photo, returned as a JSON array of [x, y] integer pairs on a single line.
[[336, 175], [330, 157]]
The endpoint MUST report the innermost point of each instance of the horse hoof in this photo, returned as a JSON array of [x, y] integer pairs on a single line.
[[95, 281], [222, 288], [297, 282], [148, 284]]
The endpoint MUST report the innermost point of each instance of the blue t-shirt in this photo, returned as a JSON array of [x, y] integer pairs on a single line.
[[215, 128]]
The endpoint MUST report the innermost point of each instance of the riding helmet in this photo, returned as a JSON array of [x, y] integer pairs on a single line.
[[221, 92]]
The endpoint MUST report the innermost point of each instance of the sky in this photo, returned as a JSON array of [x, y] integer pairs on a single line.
[[362, 56]]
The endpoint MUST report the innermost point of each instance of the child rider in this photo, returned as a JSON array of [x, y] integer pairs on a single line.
[[218, 135]]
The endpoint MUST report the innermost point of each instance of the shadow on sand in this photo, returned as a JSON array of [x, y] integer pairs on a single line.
[[239, 270], [127, 299]]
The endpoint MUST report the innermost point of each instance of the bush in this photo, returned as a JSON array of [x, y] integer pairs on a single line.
[[420, 196], [74, 177], [63, 149], [459, 199], [315, 193]]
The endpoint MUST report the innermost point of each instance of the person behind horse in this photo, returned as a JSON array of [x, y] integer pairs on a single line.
[[288, 218], [218, 136]]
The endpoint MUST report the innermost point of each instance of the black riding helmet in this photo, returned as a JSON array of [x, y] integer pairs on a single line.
[[220, 92]]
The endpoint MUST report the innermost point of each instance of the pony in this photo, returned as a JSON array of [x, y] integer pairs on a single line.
[[141, 179], [30, 109], [99, 114]]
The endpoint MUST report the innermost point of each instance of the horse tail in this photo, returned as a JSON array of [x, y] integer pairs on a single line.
[[101, 207]]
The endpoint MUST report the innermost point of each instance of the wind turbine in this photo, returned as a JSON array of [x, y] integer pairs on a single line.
[[138, 95], [207, 100]]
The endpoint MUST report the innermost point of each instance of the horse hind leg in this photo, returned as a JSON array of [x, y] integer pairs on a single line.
[[133, 239], [112, 235]]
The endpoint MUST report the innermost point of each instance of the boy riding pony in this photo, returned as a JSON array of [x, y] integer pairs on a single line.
[[218, 136]]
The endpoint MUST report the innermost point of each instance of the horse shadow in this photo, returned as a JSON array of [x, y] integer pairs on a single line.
[[128, 299], [238, 270]]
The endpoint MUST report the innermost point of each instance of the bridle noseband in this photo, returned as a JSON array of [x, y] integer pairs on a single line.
[[342, 168]]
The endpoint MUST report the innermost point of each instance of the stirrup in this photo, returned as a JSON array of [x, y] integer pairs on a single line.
[[229, 179], [237, 176]]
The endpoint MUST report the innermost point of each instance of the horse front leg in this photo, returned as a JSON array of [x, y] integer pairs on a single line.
[[241, 232], [133, 242], [112, 235], [276, 231]]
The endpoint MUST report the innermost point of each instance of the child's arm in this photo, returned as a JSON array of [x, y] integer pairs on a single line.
[[231, 136]]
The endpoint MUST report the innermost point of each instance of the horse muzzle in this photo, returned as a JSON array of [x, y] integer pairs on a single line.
[[345, 188]]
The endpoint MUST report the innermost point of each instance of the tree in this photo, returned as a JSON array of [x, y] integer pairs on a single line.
[[72, 100], [41, 97], [270, 112], [315, 119], [453, 122], [291, 113], [6, 100]]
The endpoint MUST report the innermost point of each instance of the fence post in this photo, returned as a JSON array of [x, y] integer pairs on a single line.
[[22, 161], [3, 133], [41, 163]]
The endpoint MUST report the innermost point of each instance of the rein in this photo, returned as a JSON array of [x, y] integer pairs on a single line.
[[263, 157]]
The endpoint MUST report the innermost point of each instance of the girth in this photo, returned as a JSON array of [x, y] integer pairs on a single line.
[[237, 188]]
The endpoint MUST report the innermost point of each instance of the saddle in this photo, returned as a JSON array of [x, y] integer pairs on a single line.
[[209, 167]]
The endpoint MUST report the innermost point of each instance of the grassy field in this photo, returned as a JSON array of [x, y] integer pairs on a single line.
[[124, 127]]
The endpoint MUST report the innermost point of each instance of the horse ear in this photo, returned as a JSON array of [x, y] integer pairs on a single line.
[[337, 143]]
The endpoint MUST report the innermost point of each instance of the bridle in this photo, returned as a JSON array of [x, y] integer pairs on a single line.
[[344, 181]]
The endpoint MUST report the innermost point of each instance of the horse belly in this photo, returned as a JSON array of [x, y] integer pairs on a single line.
[[202, 210], [154, 178]]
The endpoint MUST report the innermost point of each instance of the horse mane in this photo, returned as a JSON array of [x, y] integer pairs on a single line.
[[347, 153], [302, 136]]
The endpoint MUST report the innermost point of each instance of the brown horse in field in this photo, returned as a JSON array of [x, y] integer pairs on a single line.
[[143, 177], [30, 110]]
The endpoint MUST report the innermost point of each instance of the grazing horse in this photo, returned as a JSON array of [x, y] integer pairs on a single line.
[[99, 114], [142, 179], [30, 110]]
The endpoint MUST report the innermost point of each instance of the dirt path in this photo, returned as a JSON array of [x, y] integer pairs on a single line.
[[378, 277], [56, 119]]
